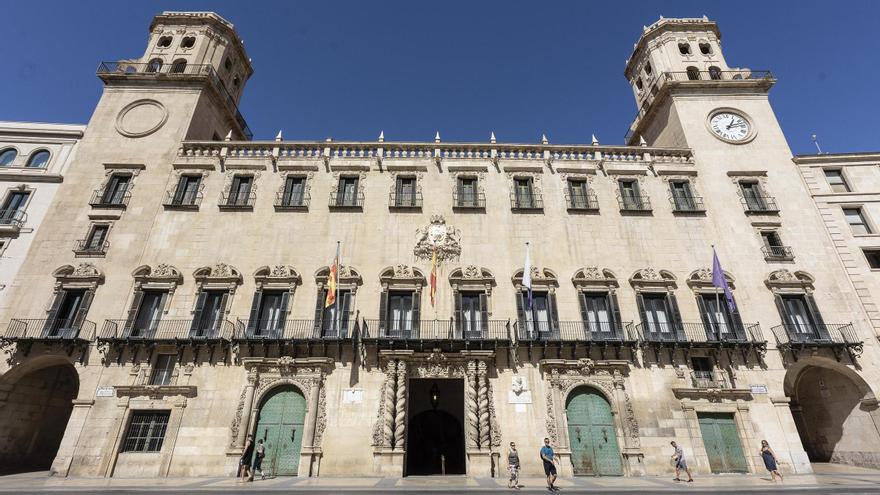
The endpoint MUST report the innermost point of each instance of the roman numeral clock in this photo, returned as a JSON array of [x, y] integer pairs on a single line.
[[731, 126]]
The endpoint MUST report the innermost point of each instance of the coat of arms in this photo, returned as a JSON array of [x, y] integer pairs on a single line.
[[439, 237]]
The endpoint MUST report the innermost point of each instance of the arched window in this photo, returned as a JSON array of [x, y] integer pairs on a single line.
[[188, 42], [154, 65], [639, 84], [714, 73], [705, 48], [227, 64], [236, 81], [648, 69], [164, 42], [178, 66], [693, 73], [38, 159], [684, 48], [7, 156]]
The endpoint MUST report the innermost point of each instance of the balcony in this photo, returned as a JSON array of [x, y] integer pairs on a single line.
[[574, 331], [346, 201], [634, 204], [186, 201], [405, 201], [123, 70], [12, 221], [444, 333], [287, 201], [294, 330], [807, 336], [581, 202], [777, 253], [468, 201], [526, 201], [243, 200], [87, 247], [102, 198], [176, 331], [71, 334], [746, 337], [760, 205], [708, 379], [687, 204]]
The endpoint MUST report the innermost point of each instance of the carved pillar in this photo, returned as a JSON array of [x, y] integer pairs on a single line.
[[388, 404], [308, 439], [483, 395], [400, 407], [471, 420], [248, 404]]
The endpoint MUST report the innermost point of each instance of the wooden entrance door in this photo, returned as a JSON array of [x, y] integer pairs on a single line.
[[592, 435], [722, 443], [280, 425]]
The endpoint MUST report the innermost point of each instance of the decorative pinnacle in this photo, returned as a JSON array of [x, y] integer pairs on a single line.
[[278, 137], [595, 141], [381, 136], [544, 139], [437, 137], [642, 141], [492, 137], [228, 136], [328, 140]]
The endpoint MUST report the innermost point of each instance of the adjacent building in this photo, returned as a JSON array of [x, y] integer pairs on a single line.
[[367, 308]]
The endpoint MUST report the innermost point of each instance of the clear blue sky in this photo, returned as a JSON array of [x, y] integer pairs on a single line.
[[349, 69]]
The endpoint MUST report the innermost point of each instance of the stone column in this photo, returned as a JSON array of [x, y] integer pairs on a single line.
[[483, 395], [244, 423], [400, 407], [75, 425], [799, 462], [388, 404], [471, 420], [310, 452]]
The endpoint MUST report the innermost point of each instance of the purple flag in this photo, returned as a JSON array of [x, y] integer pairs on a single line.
[[719, 281]]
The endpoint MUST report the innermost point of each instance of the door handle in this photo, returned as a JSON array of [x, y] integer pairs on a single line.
[[605, 434], [577, 430], [292, 434]]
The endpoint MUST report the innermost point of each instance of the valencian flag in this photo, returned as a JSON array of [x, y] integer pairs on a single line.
[[433, 275], [332, 280], [719, 281]]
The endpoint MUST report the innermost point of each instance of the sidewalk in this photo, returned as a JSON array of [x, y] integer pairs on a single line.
[[827, 479]]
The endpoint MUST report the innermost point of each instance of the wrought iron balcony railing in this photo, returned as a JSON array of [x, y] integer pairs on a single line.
[[699, 333], [405, 200], [165, 330], [468, 201], [526, 201], [640, 203], [574, 331], [137, 70], [708, 379], [87, 247], [243, 200], [437, 330], [687, 204], [760, 204], [186, 201], [294, 330], [13, 218], [774, 253], [50, 329], [816, 334], [346, 201], [109, 198], [576, 201], [292, 201]]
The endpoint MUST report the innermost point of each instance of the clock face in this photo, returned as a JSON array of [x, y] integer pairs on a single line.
[[730, 126]]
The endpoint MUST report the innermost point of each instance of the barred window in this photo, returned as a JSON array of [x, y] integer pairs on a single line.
[[146, 431]]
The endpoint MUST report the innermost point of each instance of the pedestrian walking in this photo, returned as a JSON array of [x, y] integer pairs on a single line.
[[770, 461], [513, 467], [680, 464], [549, 460], [244, 464], [258, 460]]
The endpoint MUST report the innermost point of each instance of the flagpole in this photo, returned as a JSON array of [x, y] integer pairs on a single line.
[[717, 295], [338, 305]]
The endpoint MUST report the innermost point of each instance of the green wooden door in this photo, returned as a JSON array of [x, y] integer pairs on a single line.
[[280, 425], [722, 443], [592, 435]]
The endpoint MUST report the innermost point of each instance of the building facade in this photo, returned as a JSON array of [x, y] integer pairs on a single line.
[[207, 321]]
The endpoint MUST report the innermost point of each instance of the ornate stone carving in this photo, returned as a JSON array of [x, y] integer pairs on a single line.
[[236, 420], [632, 425], [495, 431], [439, 237], [471, 272], [400, 406], [320, 417], [471, 418], [218, 271], [390, 387], [483, 404], [164, 270]]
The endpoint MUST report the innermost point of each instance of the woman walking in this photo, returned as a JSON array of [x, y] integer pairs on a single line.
[[513, 467], [770, 461]]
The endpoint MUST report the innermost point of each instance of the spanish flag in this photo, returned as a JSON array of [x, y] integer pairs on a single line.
[[433, 275], [332, 280]]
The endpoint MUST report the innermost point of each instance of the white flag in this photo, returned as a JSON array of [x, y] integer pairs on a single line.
[[527, 275]]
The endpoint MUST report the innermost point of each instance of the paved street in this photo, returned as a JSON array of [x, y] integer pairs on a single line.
[[827, 479]]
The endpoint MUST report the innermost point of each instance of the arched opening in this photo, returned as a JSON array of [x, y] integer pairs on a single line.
[[715, 73], [832, 408], [38, 159], [154, 65], [592, 434], [178, 66], [435, 433], [33, 421], [280, 427], [693, 73], [7, 156]]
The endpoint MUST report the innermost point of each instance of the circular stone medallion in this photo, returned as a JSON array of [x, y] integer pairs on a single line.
[[141, 118]]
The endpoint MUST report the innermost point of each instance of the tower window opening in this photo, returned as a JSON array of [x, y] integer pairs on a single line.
[[693, 73], [236, 81], [227, 64], [639, 83], [164, 42], [188, 42], [705, 48], [179, 66], [684, 48], [714, 73], [154, 65], [648, 69]]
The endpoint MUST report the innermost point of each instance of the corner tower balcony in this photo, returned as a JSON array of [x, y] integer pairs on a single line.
[[810, 337], [71, 334]]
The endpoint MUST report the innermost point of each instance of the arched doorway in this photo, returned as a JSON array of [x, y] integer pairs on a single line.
[[280, 426], [435, 430], [835, 413], [33, 420], [592, 434]]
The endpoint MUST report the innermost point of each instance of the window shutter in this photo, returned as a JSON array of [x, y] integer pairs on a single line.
[[678, 326], [640, 302], [80, 316], [155, 323], [821, 329], [132, 314], [783, 314], [348, 298], [711, 332], [520, 313], [53, 313], [484, 314], [282, 315], [616, 321], [194, 330], [253, 319], [738, 328], [383, 311], [554, 314], [319, 311], [181, 189], [457, 313], [221, 317], [416, 312], [582, 299], [340, 192]]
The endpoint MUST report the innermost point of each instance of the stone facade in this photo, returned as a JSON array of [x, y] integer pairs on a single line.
[[620, 275]]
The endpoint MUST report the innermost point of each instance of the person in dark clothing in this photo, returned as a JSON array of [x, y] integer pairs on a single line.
[[770, 461], [513, 466], [244, 464], [258, 460], [549, 459]]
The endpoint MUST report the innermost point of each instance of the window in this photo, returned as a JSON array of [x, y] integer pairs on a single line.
[[399, 319], [682, 197], [164, 42], [148, 313], [856, 220], [524, 195], [178, 66], [240, 191], [630, 197], [269, 313], [648, 69], [163, 369], [294, 191], [873, 257], [466, 193], [96, 238], [472, 313], [836, 180], [38, 159], [684, 48], [146, 431], [333, 320], [703, 376], [188, 42], [67, 315], [7, 156], [154, 65], [538, 316], [693, 74], [115, 190], [597, 314], [714, 73], [236, 82], [639, 84], [773, 247], [12, 212], [405, 192], [208, 315], [578, 195], [187, 191], [716, 316], [347, 192], [705, 48], [798, 316], [657, 314], [753, 196], [227, 64]]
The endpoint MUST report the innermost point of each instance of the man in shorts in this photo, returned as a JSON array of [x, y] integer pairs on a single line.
[[680, 464], [549, 459]]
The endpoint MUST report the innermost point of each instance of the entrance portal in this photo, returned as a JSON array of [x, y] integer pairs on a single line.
[[280, 426], [592, 434], [33, 421], [722, 443], [435, 433]]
